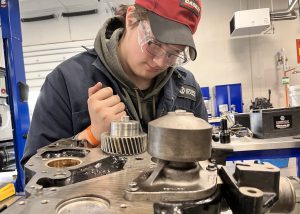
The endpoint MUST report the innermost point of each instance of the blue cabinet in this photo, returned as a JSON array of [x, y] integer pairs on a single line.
[[228, 97]]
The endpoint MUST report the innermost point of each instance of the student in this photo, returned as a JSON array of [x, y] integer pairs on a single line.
[[134, 69]]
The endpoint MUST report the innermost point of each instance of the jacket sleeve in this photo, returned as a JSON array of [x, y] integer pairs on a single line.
[[52, 116], [200, 108]]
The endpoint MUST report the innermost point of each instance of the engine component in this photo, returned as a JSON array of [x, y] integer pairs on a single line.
[[177, 141], [262, 102], [7, 156], [255, 188], [65, 163], [179, 136], [124, 138], [64, 177], [173, 182]]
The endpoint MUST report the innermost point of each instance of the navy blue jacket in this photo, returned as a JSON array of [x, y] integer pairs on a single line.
[[61, 110]]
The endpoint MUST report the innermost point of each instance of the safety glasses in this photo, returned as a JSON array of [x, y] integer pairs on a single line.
[[172, 56]]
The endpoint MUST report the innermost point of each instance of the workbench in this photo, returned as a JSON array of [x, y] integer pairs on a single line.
[[246, 148]]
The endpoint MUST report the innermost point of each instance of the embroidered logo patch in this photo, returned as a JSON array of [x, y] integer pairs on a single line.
[[191, 5], [188, 92]]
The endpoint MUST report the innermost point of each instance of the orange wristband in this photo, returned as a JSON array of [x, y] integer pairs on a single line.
[[93, 140]]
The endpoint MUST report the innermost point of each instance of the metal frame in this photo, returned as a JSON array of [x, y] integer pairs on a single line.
[[15, 73], [267, 153]]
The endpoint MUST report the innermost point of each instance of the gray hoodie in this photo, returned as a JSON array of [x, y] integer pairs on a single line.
[[143, 102]]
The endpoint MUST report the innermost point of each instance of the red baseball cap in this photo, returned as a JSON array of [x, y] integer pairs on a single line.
[[174, 21]]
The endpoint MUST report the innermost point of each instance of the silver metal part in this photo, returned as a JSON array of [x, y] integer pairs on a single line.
[[85, 204], [179, 136], [64, 177], [287, 197], [124, 138], [95, 185], [173, 182], [124, 128], [177, 141], [251, 191]]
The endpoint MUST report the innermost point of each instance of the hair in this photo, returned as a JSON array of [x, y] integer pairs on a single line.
[[139, 13]]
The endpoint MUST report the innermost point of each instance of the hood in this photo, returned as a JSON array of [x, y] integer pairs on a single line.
[[106, 47]]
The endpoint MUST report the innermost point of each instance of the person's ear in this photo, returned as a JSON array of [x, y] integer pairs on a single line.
[[130, 18]]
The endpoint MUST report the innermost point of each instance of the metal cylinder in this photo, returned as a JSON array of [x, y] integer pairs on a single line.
[[124, 138], [124, 128], [7, 156], [179, 136], [287, 197]]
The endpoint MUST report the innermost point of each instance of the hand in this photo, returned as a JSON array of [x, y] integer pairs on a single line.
[[104, 107]]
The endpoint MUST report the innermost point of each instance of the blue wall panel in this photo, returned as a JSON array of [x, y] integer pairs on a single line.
[[230, 94]]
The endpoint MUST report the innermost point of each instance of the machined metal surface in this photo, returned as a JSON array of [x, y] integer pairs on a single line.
[[287, 197], [177, 175], [123, 145], [173, 182], [179, 136], [85, 204], [125, 127], [65, 177], [96, 185], [124, 138]]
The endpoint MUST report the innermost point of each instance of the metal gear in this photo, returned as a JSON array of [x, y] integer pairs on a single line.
[[124, 138]]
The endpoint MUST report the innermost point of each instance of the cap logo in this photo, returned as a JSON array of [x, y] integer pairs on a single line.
[[191, 5]]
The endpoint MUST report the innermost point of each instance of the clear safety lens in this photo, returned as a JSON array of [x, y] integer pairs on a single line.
[[172, 56]]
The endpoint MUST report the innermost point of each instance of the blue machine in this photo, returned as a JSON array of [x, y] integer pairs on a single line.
[[15, 83], [229, 96]]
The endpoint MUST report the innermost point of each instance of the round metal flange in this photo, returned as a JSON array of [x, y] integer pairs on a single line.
[[83, 204]]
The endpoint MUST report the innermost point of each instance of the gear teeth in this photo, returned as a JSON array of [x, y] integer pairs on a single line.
[[124, 138], [123, 145]]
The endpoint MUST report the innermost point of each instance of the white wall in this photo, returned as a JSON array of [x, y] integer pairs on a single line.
[[221, 59], [251, 61]]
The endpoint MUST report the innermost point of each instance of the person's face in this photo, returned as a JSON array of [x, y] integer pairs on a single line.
[[147, 59]]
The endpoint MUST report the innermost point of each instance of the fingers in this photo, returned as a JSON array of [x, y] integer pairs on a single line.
[[116, 109], [102, 100], [102, 93], [111, 101], [103, 108], [92, 90]]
